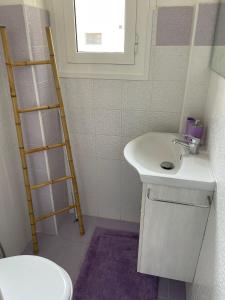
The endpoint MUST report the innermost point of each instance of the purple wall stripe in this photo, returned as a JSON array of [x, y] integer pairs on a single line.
[[206, 24], [174, 26], [12, 17], [220, 32]]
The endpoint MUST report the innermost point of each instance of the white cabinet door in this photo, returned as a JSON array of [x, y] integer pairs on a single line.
[[170, 239]]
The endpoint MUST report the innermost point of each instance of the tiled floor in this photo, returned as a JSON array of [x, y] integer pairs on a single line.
[[68, 249]]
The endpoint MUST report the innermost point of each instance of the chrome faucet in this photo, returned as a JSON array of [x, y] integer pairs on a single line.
[[192, 144]]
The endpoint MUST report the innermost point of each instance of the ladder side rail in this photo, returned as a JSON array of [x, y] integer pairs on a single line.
[[65, 130], [9, 67]]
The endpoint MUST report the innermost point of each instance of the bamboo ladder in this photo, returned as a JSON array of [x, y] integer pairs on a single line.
[[10, 64]]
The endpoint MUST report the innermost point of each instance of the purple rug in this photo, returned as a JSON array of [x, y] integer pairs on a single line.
[[109, 270]]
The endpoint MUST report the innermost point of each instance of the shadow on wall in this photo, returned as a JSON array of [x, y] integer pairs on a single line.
[[2, 251]]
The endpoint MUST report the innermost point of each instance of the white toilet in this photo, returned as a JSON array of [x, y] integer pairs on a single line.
[[29, 277]]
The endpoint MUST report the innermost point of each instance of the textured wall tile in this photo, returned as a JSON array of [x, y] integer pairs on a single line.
[[51, 125], [107, 122], [137, 95], [174, 26], [107, 94], [36, 33], [169, 63], [25, 87], [80, 92], [195, 100], [206, 24], [164, 121], [131, 189], [81, 121], [37, 161], [83, 144], [31, 129], [87, 181], [43, 73], [60, 195], [200, 63], [40, 52], [167, 96], [135, 123], [46, 93], [109, 192], [38, 19], [56, 163], [108, 147]]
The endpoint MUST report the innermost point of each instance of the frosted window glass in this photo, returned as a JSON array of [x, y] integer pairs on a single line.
[[100, 25]]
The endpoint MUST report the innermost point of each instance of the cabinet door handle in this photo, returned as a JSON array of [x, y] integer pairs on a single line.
[[148, 193], [185, 203]]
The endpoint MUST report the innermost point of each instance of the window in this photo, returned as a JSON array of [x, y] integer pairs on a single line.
[[102, 38], [100, 31], [100, 25]]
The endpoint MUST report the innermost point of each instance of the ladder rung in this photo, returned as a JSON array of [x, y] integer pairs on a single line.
[[30, 63], [53, 181], [55, 213], [44, 148], [36, 108]]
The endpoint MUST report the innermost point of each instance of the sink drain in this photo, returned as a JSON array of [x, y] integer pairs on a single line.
[[167, 165]]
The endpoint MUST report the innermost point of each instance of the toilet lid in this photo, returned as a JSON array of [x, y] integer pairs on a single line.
[[29, 277]]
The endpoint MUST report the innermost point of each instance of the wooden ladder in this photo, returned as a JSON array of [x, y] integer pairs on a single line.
[[10, 64]]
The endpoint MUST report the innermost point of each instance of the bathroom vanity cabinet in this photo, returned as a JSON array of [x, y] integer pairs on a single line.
[[173, 222]]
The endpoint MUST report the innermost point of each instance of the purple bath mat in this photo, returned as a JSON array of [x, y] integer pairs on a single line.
[[109, 270]]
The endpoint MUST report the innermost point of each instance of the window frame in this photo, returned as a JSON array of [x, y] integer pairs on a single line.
[[69, 69], [127, 57]]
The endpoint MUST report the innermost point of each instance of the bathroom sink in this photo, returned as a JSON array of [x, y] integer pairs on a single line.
[[147, 153]]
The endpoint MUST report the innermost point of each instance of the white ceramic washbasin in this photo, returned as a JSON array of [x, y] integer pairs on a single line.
[[148, 151]]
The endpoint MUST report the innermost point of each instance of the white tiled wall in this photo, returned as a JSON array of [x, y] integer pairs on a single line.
[[169, 62], [104, 115], [209, 281], [167, 96]]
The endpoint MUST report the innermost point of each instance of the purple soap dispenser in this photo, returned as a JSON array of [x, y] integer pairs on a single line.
[[189, 123], [197, 129]]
